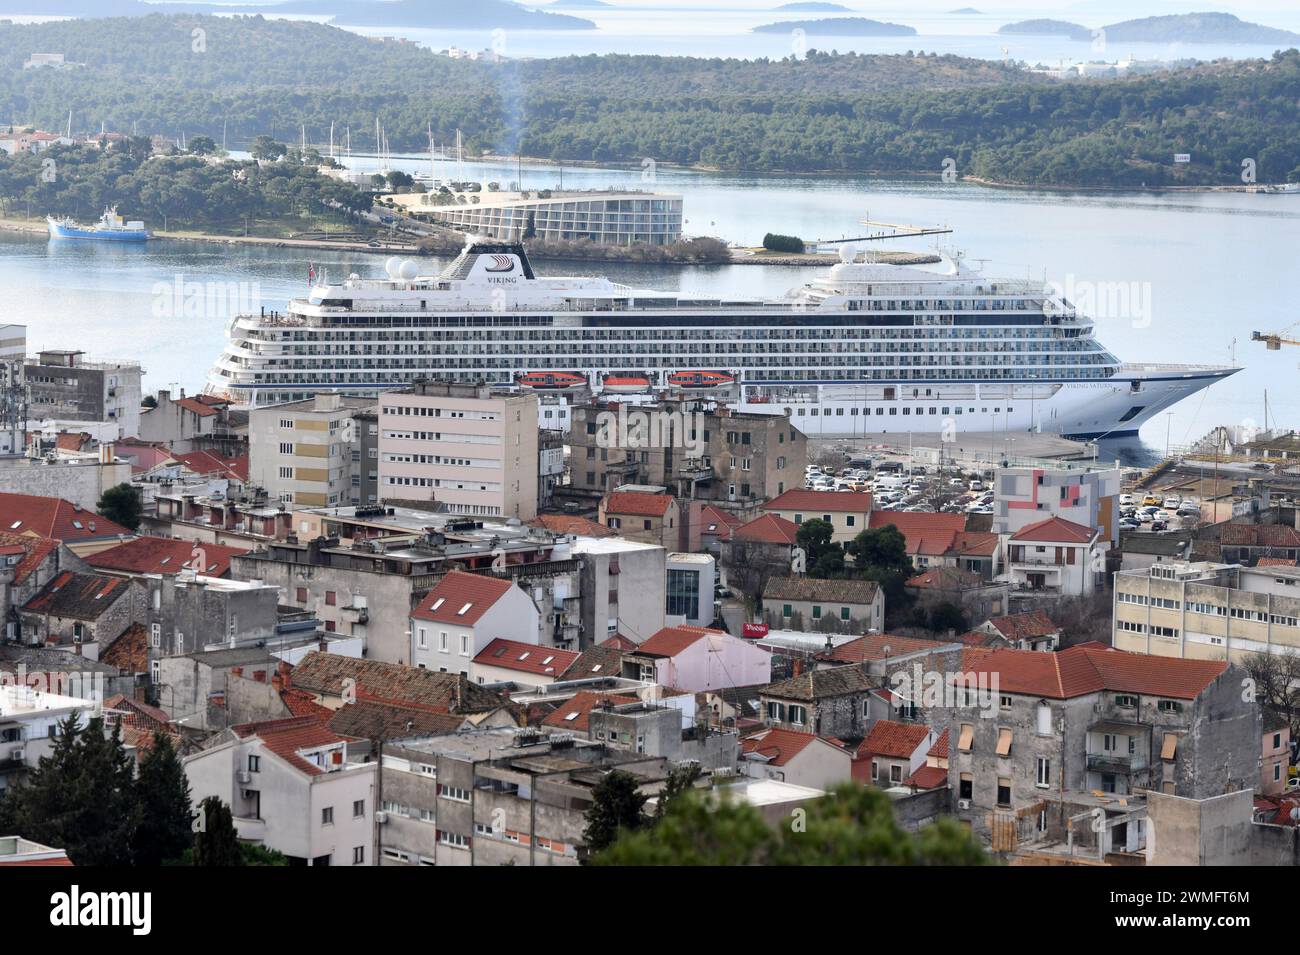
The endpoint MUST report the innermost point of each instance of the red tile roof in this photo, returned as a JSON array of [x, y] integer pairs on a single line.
[[574, 714], [77, 596], [946, 578], [768, 529], [975, 544], [1091, 668], [200, 408], [526, 657], [301, 703], [637, 503], [896, 740], [618, 642], [207, 463], [1274, 562], [571, 524], [873, 647], [165, 555], [717, 522], [825, 502], [287, 737], [461, 598], [71, 441], [928, 777], [671, 641], [55, 518], [35, 550], [776, 746], [1022, 626], [929, 534], [130, 651], [940, 748], [1259, 535], [1055, 530]]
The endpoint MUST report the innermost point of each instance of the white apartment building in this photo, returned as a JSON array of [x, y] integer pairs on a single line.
[[29, 720], [308, 452], [291, 787], [1207, 611], [465, 446], [1087, 496], [459, 617]]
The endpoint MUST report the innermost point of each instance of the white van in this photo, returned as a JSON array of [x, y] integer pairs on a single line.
[[883, 483]]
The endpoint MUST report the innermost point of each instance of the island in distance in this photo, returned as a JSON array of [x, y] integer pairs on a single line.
[[838, 26], [1176, 28], [812, 7]]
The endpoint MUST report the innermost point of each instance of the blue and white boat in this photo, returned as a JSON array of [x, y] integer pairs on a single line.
[[111, 227]]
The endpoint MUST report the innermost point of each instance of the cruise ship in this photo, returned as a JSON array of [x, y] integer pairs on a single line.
[[867, 347]]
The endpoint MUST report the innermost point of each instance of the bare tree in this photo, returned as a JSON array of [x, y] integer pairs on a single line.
[[1277, 685]]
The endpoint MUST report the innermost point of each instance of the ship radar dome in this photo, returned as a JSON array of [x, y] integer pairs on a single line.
[[848, 252], [392, 265], [408, 269]]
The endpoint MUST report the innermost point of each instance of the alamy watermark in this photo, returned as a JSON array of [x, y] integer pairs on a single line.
[[182, 299], [934, 689], [633, 429]]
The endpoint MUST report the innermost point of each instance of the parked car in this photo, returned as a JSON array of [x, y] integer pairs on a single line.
[[1159, 525], [1125, 499], [1150, 501], [1172, 502]]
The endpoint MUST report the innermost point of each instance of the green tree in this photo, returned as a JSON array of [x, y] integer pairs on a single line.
[[121, 504], [852, 825], [164, 797], [81, 797], [824, 557], [264, 147], [202, 145], [947, 616], [617, 806], [681, 779], [216, 843]]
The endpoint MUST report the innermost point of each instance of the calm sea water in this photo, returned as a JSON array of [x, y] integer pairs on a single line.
[[1201, 271]]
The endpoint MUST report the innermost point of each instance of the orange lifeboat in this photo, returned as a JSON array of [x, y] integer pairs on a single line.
[[626, 384], [551, 381], [699, 380]]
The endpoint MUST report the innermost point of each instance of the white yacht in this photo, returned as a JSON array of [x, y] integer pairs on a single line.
[[868, 347]]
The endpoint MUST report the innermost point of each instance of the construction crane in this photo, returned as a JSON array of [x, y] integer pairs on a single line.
[[1274, 341]]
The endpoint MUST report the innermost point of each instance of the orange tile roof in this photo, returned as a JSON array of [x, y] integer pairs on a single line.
[[1274, 562], [54, 518], [826, 502], [207, 463], [768, 529], [461, 598], [1091, 668], [165, 555], [575, 713], [671, 641], [939, 530], [571, 524], [873, 647], [777, 746], [940, 748], [896, 740], [975, 544], [526, 657], [1055, 530], [618, 642], [717, 522], [1022, 626], [638, 503], [287, 737], [928, 777], [200, 408], [130, 651], [35, 550]]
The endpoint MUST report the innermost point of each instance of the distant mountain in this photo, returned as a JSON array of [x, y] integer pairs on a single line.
[[968, 12], [575, 4], [812, 7], [1046, 28], [481, 14], [1196, 28], [838, 26]]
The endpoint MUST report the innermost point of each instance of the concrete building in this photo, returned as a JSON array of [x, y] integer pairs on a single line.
[[63, 386], [497, 797], [690, 586], [1057, 556], [1275, 759], [795, 757], [643, 516], [460, 616], [29, 720], [1028, 728], [471, 449], [13, 423], [195, 423], [81, 478], [604, 217], [1207, 611], [848, 512], [624, 587], [1080, 494], [301, 451], [841, 606], [695, 659], [80, 612], [292, 787], [708, 455]]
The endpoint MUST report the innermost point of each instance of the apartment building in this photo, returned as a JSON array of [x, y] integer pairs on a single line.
[[459, 617], [28, 723], [1029, 728], [713, 454], [301, 452], [643, 516], [848, 512], [843, 606], [292, 787], [1058, 556], [1083, 495], [1207, 611], [63, 386], [467, 447]]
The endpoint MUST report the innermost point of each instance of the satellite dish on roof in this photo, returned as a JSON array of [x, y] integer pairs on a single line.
[[848, 252], [392, 265]]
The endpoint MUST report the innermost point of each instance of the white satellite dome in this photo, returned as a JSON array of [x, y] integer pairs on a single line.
[[392, 266], [848, 252], [408, 269]]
